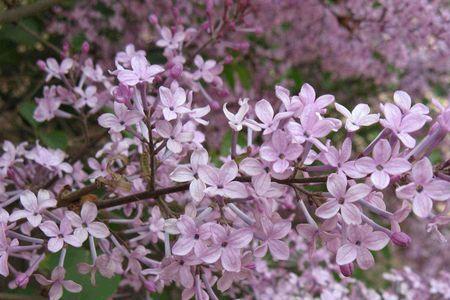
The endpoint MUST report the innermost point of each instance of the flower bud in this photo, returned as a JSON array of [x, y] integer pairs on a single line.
[[176, 70], [150, 285], [41, 64], [153, 19], [401, 239], [85, 47], [347, 269]]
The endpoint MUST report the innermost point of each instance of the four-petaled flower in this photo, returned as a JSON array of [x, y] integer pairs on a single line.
[[175, 136], [141, 71], [424, 188], [192, 237], [33, 207], [173, 102], [85, 225], [121, 118], [57, 283], [342, 199], [360, 116], [280, 151], [382, 165], [272, 233], [361, 239], [60, 235]]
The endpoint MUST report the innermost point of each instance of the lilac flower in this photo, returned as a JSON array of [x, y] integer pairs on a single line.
[[49, 106], [85, 225], [5, 246], [361, 239], [33, 207], [265, 113], [272, 233], [49, 158], [175, 136], [237, 120], [179, 268], [57, 283], [124, 57], [141, 71], [403, 101], [199, 157], [53, 69], [220, 181], [260, 173], [207, 70], [424, 188], [310, 129], [280, 151], [121, 118], [192, 237], [307, 96], [247, 269], [343, 199], [402, 126], [60, 235], [88, 97], [173, 102], [227, 245], [358, 117], [291, 104], [169, 40], [382, 165], [340, 159], [134, 258]]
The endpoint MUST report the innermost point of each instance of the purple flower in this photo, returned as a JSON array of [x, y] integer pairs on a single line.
[[141, 71], [121, 118], [175, 136], [265, 113], [280, 151], [310, 129], [60, 235], [424, 188], [88, 97], [227, 245], [272, 233], [403, 101], [57, 283], [85, 225], [5, 246], [358, 117], [179, 268], [291, 104], [33, 207], [307, 96], [402, 126], [192, 237], [199, 157], [207, 70], [238, 120], [53, 69], [382, 165], [361, 239], [343, 199], [173, 102], [340, 159], [220, 181], [169, 40]]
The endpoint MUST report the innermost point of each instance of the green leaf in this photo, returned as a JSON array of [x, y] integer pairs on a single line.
[[55, 139], [26, 110], [104, 287], [244, 76]]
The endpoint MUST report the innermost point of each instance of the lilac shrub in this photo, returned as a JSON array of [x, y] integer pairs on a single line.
[[291, 209]]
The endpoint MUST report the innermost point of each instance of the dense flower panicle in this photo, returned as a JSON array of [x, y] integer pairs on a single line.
[[155, 201]]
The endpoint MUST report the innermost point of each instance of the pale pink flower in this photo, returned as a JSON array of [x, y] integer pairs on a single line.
[[343, 199], [220, 181], [361, 239], [33, 207], [280, 151], [121, 118], [54, 69], [265, 113], [173, 102], [52, 159], [57, 283], [5, 246], [193, 237], [238, 120], [227, 245], [124, 57], [207, 70], [382, 165], [88, 97], [175, 136], [247, 269], [360, 116], [402, 126], [189, 173], [85, 225], [141, 71], [60, 235], [134, 258], [291, 104], [307, 96], [424, 188], [311, 128], [169, 40], [340, 159], [403, 101], [272, 233], [179, 269]]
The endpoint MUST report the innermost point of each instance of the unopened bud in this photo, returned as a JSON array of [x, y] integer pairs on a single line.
[[401, 239], [150, 286], [41, 64], [153, 19], [85, 47], [347, 269], [176, 70]]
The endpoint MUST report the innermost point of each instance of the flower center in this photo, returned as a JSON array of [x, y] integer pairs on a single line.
[[224, 244], [341, 200], [358, 243], [196, 236], [419, 188], [281, 156], [380, 168]]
